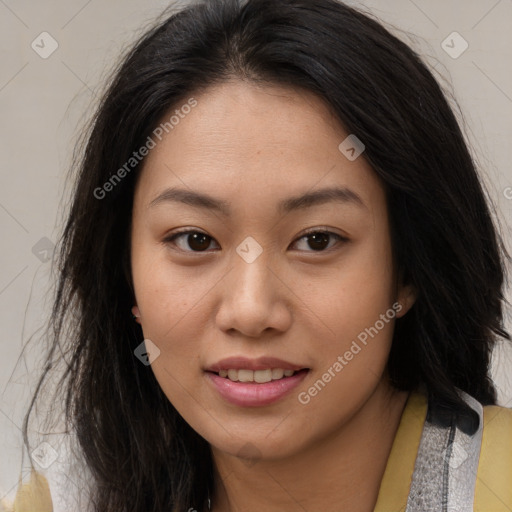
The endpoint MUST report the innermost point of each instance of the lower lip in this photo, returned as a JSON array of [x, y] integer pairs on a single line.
[[251, 394]]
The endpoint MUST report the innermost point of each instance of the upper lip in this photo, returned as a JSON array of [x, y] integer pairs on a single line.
[[261, 363]]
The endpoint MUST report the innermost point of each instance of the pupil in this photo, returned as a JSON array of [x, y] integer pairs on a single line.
[[201, 237], [319, 238]]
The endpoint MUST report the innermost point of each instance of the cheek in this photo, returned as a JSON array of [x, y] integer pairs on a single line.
[[173, 317], [170, 302], [360, 291], [353, 355], [355, 349]]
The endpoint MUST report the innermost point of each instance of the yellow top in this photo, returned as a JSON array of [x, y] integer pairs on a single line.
[[394, 488], [34, 496], [493, 491], [494, 478]]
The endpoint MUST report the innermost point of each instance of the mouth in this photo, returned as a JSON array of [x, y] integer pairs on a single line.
[[255, 388]]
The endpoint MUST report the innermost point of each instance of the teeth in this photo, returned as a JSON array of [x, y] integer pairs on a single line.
[[258, 376], [261, 376], [277, 373], [245, 375]]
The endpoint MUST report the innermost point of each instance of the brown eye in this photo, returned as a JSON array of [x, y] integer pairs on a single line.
[[318, 241], [195, 240]]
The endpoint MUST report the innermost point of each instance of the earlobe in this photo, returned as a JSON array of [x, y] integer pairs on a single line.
[[406, 298], [136, 314]]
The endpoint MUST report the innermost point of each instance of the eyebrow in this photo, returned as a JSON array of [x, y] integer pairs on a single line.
[[200, 200]]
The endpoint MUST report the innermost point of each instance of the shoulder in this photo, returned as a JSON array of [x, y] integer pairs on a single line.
[[497, 418], [497, 434], [64, 485], [493, 490], [434, 463], [34, 496]]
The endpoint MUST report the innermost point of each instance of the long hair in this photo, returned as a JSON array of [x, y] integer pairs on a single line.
[[142, 454]]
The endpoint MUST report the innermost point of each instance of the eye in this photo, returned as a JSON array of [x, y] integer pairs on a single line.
[[319, 239], [196, 240]]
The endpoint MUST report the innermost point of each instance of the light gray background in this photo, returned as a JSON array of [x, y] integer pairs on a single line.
[[44, 103]]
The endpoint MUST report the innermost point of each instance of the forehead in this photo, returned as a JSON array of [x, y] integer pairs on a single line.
[[243, 140]]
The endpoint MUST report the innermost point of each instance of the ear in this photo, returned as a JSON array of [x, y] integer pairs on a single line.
[[406, 298], [136, 314]]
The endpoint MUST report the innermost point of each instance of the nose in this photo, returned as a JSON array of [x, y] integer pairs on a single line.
[[255, 299]]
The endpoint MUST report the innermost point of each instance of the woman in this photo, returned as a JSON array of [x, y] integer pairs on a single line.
[[281, 196]]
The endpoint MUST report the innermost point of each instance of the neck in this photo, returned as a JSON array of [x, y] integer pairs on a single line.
[[340, 472]]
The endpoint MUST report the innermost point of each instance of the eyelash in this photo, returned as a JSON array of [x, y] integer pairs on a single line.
[[170, 239]]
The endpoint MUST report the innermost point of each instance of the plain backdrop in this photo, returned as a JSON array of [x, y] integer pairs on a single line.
[[46, 97]]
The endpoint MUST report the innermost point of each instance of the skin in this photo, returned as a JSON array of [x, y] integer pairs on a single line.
[[252, 147]]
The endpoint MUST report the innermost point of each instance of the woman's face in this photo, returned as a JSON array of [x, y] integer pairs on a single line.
[[249, 171]]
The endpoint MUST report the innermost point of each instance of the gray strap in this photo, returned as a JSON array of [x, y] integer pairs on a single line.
[[446, 465]]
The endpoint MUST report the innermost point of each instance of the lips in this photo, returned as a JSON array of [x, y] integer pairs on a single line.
[[249, 384], [252, 394]]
